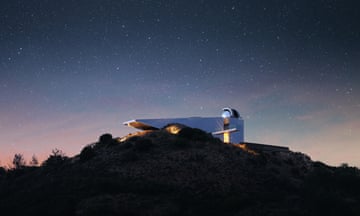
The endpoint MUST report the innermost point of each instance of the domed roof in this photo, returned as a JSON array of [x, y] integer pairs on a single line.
[[230, 113]]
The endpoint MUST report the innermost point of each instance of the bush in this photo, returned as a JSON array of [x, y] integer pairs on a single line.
[[143, 145], [19, 161], [2, 171], [129, 156], [87, 153], [194, 134], [105, 139], [181, 143], [56, 158], [125, 145]]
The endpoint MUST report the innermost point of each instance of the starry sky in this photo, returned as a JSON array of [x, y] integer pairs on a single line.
[[73, 70]]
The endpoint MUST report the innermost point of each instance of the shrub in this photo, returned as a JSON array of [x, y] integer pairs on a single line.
[[2, 171], [34, 161], [19, 161], [296, 172], [105, 139], [87, 153], [180, 143], [289, 161], [194, 134], [129, 156], [133, 139], [125, 145], [143, 145], [56, 158]]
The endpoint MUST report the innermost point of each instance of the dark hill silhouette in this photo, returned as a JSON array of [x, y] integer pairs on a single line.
[[188, 173]]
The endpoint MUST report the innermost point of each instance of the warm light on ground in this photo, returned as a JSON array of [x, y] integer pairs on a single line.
[[245, 148]]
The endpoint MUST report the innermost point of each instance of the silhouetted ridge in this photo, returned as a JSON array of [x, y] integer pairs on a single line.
[[178, 171]]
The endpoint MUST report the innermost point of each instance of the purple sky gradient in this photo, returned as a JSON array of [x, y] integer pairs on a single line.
[[73, 70]]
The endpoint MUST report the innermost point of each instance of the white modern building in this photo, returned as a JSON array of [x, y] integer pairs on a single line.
[[229, 126]]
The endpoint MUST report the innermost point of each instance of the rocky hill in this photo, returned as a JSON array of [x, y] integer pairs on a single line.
[[181, 172]]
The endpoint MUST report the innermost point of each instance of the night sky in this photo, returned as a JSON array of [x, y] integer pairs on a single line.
[[73, 70]]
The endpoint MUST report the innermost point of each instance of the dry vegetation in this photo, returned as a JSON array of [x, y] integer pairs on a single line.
[[188, 173]]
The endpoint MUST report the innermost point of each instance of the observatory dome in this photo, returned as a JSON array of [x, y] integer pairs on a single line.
[[230, 113]]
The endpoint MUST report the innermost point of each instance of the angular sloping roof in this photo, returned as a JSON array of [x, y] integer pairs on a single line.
[[209, 124], [139, 124]]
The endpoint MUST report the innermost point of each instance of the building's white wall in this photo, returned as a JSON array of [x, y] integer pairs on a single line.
[[237, 137]]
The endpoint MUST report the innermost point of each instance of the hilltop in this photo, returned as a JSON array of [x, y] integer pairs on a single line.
[[184, 172]]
